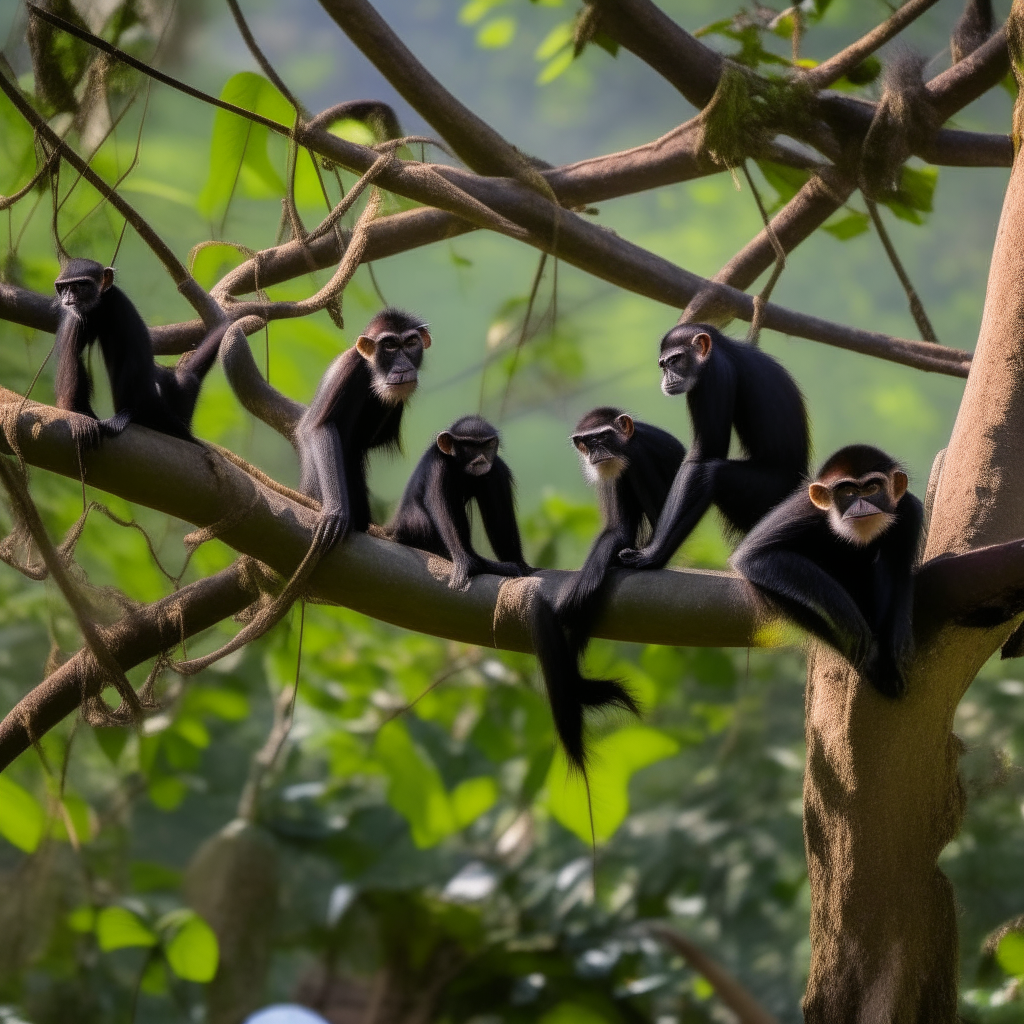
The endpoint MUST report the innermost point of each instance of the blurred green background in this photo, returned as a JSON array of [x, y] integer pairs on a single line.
[[444, 851]]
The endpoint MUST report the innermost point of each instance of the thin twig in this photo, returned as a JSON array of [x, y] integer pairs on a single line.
[[761, 300], [917, 311]]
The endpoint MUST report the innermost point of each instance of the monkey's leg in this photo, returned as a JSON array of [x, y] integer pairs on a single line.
[[690, 497], [813, 600], [745, 492]]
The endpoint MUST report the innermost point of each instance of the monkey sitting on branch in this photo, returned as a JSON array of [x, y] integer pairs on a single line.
[[92, 308], [462, 465], [837, 557]]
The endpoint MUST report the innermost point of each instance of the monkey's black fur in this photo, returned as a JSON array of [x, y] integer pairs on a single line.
[[631, 497], [358, 408], [973, 28], [93, 308], [857, 597], [462, 465], [728, 384]]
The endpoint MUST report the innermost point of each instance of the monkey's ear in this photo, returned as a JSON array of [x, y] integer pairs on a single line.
[[366, 346], [703, 343], [820, 495], [425, 335], [108, 278], [446, 442], [625, 424], [899, 484]]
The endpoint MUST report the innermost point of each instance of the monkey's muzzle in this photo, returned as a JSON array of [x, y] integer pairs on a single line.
[[862, 509]]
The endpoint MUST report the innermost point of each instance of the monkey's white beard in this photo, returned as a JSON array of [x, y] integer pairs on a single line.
[[394, 394], [860, 532], [610, 469]]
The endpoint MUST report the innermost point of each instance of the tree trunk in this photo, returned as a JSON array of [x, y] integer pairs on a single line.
[[881, 794]]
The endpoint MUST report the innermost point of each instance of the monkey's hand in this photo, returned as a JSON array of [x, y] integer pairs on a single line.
[[85, 431], [645, 558], [116, 424], [332, 528]]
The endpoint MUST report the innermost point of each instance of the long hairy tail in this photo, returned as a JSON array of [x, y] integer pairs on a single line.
[[569, 691]]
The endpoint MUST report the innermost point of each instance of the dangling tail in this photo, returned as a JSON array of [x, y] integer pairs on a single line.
[[569, 692]]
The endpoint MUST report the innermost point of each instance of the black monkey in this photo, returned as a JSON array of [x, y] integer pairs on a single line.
[[837, 557], [632, 465], [93, 308], [358, 407], [728, 384], [461, 465], [973, 28]]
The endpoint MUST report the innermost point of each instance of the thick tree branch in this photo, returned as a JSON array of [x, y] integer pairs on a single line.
[[156, 628], [474, 141], [829, 71]]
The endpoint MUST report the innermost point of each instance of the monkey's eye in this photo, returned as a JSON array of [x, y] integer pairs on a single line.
[[872, 488], [846, 490]]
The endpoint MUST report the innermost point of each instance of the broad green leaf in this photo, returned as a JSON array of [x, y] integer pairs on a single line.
[[496, 34], [82, 919], [555, 67], [167, 792], [154, 979], [238, 150], [416, 790], [786, 181], [1010, 954], [917, 187], [118, 928], [614, 760], [226, 704], [193, 953], [472, 797], [22, 818], [555, 41], [192, 731], [853, 224], [353, 131], [572, 1013], [477, 10]]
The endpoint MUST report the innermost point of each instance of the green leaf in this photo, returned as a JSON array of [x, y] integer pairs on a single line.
[[118, 928], [917, 187], [353, 131], [416, 790], [238, 150], [1010, 954], [21, 816], [472, 797], [167, 792], [111, 739], [226, 704], [558, 66], [614, 760], [555, 41], [193, 953], [192, 731], [853, 224], [572, 1013], [477, 10], [154, 979], [496, 34], [82, 919], [786, 181]]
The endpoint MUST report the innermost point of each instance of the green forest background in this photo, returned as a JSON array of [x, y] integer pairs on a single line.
[[447, 839]]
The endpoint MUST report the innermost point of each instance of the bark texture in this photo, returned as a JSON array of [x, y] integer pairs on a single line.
[[882, 795]]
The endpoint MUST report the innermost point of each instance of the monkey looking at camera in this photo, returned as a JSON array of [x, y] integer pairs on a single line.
[[632, 465], [462, 465], [92, 308], [837, 558], [728, 385]]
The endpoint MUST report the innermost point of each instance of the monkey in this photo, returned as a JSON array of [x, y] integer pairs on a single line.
[[728, 385], [358, 407], [462, 464], [973, 28], [632, 465], [838, 556], [92, 308]]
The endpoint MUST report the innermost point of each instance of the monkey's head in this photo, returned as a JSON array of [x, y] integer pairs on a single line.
[[859, 487], [472, 442], [684, 351], [393, 345], [602, 440], [81, 283]]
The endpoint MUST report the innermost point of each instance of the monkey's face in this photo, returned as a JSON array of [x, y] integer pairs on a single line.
[[683, 355], [602, 450], [395, 359], [475, 455], [860, 509], [80, 294]]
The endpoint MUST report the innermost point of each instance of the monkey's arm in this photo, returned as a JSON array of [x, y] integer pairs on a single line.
[[324, 462], [498, 512], [73, 393], [811, 598], [447, 512], [690, 496]]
